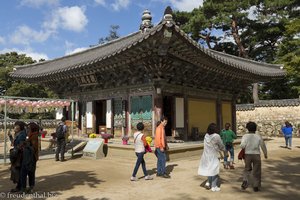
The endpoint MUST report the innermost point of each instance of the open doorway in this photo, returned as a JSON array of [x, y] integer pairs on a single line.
[[168, 111], [100, 114]]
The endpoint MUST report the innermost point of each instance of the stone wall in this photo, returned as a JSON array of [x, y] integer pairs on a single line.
[[269, 116]]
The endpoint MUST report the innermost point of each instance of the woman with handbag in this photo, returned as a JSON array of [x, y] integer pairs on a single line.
[[139, 146], [252, 143]]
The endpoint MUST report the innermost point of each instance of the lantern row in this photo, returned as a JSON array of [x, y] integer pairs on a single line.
[[34, 104]]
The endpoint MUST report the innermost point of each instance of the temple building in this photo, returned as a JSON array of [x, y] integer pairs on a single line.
[[157, 71]]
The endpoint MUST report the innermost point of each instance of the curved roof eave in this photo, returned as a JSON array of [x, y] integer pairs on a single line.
[[115, 47]]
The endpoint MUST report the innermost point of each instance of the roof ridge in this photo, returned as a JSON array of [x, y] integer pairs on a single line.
[[80, 52], [246, 59]]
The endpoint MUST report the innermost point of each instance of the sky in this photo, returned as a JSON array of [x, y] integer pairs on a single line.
[[51, 29]]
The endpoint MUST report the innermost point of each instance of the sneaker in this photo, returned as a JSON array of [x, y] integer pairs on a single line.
[[207, 185], [166, 176], [255, 189], [133, 178], [231, 167], [56, 159], [215, 189], [148, 177], [244, 185]]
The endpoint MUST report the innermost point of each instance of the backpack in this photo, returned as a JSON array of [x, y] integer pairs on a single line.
[[60, 132]]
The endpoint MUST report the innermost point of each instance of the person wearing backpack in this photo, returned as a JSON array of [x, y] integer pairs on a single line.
[[61, 131]]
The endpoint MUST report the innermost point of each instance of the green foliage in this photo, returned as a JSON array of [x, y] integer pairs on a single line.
[[270, 36], [7, 62], [10, 87], [113, 34]]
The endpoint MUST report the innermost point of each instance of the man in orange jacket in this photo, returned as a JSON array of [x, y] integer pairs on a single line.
[[160, 148]]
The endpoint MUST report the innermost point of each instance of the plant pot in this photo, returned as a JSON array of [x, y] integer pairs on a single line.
[[125, 142], [105, 140]]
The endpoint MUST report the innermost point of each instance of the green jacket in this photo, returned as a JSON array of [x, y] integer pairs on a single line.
[[227, 136]]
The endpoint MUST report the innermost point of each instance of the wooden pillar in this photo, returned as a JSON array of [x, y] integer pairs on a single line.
[[186, 118], [233, 114], [158, 108], [94, 109], [219, 113]]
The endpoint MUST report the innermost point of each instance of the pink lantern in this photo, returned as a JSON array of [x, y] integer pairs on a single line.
[[34, 103], [11, 102], [66, 103], [22, 104], [2, 102], [28, 103]]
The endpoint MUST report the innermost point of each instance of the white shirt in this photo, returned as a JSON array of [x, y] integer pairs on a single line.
[[251, 143], [209, 162], [138, 144]]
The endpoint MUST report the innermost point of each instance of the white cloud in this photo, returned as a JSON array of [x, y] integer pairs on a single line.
[[26, 35], [76, 50], [70, 48], [119, 4], [186, 5], [39, 3], [29, 52], [68, 18], [100, 2], [2, 40]]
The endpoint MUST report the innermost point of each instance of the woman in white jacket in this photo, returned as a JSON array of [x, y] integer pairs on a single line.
[[209, 163]]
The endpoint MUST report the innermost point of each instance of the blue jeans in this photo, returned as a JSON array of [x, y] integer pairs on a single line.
[[288, 140], [161, 161], [229, 149], [213, 180], [140, 160]]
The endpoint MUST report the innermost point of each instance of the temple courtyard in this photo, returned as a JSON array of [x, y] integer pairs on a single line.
[[109, 178]]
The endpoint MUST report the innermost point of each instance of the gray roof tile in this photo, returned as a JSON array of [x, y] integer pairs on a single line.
[[101, 52]]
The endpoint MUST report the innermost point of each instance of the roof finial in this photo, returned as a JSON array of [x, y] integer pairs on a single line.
[[146, 21], [168, 14]]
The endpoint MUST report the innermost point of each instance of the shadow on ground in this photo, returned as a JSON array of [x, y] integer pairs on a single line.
[[169, 169], [83, 198], [56, 184]]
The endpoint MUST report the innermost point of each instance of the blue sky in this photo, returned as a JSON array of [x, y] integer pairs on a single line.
[[53, 28]]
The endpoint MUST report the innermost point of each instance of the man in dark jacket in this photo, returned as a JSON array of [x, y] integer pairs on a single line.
[[61, 132]]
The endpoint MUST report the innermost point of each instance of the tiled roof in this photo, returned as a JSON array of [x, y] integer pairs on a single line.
[[268, 103], [113, 48]]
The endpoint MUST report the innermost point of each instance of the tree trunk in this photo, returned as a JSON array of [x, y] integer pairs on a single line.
[[237, 39], [243, 53], [207, 39]]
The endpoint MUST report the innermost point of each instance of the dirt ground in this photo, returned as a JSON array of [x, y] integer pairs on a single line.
[[108, 179]]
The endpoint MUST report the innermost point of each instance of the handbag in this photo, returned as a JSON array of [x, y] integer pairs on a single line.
[[241, 154]]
